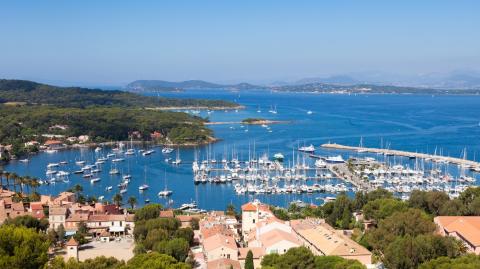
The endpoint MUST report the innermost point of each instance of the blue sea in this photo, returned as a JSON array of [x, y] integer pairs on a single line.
[[420, 123]]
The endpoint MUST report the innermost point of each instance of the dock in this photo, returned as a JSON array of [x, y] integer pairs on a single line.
[[407, 154]]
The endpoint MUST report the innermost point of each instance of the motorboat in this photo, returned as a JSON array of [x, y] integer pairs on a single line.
[[335, 159], [167, 150], [310, 148]]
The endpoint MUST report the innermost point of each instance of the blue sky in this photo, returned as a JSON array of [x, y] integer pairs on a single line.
[[115, 42]]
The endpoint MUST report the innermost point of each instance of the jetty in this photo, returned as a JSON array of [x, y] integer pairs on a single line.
[[407, 154]]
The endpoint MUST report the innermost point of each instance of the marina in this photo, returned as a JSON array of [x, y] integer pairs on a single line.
[[286, 175]]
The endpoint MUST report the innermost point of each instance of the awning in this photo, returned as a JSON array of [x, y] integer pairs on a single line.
[[116, 229]]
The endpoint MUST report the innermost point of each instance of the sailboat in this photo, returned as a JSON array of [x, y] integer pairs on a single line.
[[130, 151], [144, 186], [165, 191], [177, 160]]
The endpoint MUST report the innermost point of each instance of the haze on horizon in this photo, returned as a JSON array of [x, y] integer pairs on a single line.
[[113, 42]]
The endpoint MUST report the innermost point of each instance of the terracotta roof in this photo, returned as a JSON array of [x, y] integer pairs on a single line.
[[223, 264], [328, 240], [257, 253], [102, 217], [166, 214], [219, 240], [72, 242], [57, 210], [249, 207], [52, 142], [36, 206], [467, 227], [77, 217], [274, 236]]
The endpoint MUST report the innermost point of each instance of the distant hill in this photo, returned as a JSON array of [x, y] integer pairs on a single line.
[[168, 86], [338, 79], [36, 93], [369, 88]]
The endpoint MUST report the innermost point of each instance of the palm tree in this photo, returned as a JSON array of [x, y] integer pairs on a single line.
[[132, 201], [15, 181], [7, 177], [35, 184], [117, 199], [77, 189], [28, 182], [1, 179]]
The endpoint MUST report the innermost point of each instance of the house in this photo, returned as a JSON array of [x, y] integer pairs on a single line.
[[251, 213], [223, 264], [57, 215], [115, 224], [65, 198], [220, 246], [32, 143], [276, 241], [464, 228], [322, 239], [83, 138], [53, 144], [10, 209], [73, 220], [36, 210]]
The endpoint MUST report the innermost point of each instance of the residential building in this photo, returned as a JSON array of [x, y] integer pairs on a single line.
[[322, 239], [57, 215], [223, 264], [220, 246], [464, 228]]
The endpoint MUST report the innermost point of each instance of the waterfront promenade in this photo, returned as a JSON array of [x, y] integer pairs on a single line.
[[434, 158]]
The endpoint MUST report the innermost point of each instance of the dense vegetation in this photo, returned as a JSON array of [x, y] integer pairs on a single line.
[[162, 86], [302, 258], [37, 93], [161, 235], [403, 235], [19, 124]]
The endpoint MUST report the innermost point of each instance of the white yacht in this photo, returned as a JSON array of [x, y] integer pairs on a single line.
[[335, 159], [167, 150], [310, 148]]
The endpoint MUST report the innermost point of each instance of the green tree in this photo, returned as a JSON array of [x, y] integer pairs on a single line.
[[132, 201], [409, 252], [22, 247], [147, 212], [155, 260], [117, 199], [412, 222], [381, 208], [249, 260], [177, 248], [470, 261]]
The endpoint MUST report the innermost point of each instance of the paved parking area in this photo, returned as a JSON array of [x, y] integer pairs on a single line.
[[121, 250]]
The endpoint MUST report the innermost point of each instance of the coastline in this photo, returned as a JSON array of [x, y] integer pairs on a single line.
[[260, 122], [166, 108]]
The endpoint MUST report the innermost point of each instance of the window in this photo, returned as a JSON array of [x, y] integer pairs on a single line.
[[253, 220], [228, 256]]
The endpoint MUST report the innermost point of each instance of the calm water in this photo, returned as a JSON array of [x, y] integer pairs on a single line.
[[447, 124]]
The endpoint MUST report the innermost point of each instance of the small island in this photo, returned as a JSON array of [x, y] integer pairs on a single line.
[[260, 121]]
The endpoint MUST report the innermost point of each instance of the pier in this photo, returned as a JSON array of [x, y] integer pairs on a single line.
[[407, 154]]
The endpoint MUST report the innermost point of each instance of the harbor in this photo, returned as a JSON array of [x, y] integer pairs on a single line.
[[245, 155], [412, 155]]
